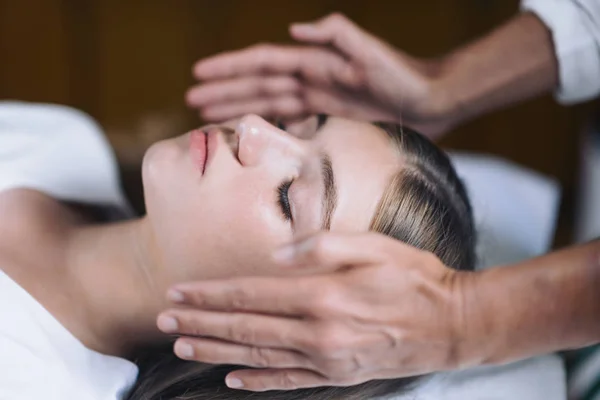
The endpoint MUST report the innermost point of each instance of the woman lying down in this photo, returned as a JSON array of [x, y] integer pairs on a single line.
[[81, 284]]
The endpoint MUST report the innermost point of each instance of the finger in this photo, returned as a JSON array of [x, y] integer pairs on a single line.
[[315, 64], [270, 295], [237, 89], [285, 106], [295, 105], [336, 30], [259, 380], [241, 328], [330, 252], [214, 351]]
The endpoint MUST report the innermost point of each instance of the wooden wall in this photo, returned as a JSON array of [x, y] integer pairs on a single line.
[[127, 63]]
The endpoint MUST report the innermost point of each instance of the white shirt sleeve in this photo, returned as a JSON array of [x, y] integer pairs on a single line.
[[575, 27]]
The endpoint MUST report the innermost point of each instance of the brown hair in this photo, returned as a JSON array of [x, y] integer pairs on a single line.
[[425, 205]]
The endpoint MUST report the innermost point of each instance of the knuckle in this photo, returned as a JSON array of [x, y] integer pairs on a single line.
[[240, 333], [279, 85], [261, 88], [266, 49], [287, 106], [260, 357], [380, 245], [337, 19], [287, 380], [261, 46], [343, 369], [328, 342], [320, 247], [239, 297], [189, 325], [262, 54], [327, 300]]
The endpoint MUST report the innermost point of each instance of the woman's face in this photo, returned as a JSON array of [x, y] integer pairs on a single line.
[[221, 199]]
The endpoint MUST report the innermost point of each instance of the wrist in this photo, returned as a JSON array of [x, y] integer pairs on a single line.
[[471, 328], [437, 103], [445, 103]]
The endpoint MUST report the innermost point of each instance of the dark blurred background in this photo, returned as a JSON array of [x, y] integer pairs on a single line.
[[128, 62]]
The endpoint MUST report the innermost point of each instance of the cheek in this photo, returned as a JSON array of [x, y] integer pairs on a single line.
[[242, 227], [226, 223], [169, 185]]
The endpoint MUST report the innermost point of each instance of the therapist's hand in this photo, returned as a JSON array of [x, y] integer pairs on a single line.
[[339, 70], [357, 307]]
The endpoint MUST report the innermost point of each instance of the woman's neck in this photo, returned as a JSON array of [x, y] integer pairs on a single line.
[[115, 271], [104, 283]]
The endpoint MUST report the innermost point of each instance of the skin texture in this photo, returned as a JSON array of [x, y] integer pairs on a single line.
[[530, 308], [223, 223], [229, 220], [340, 326]]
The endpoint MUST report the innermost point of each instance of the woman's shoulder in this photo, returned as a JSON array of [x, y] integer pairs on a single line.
[[27, 217], [59, 151]]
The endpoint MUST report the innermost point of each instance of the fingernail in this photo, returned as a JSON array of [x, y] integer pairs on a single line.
[[284, 254], [234, 383], [167, 324], [184, 350], [175, 296]]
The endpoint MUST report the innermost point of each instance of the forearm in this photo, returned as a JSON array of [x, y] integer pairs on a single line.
[[538, 306], [512, 63]]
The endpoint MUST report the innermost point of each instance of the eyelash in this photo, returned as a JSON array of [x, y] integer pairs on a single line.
[[284, 201], [282, 191]]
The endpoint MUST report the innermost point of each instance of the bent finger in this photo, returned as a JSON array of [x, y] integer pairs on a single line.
[[335, 30]]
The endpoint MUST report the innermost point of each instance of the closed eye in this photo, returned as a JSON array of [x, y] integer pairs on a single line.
[[284, 200]]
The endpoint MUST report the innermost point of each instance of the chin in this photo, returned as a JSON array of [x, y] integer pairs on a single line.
[[160, 158]]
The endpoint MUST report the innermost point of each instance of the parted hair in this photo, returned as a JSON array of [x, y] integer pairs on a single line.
[[425, 205]]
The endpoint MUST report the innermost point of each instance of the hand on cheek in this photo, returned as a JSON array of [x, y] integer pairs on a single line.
[[341, 324]]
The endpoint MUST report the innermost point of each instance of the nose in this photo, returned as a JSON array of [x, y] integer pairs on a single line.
[[260, 142]]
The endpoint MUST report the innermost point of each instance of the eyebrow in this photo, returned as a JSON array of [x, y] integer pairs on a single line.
[[330, 193], [329, 200]]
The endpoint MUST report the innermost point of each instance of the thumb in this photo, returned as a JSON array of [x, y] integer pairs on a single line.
[[330, 252], [335, 30]]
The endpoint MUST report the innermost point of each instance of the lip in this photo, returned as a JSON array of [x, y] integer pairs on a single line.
[[203, 146]]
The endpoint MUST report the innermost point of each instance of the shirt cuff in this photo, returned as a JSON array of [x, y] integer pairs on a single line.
[[573, 28]]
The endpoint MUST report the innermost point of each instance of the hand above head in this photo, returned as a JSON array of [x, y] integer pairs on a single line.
[[364, 307], [340, 70]]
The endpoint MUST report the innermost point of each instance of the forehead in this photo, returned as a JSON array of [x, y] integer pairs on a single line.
[[363, 160]]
